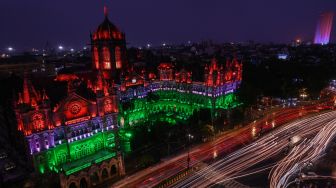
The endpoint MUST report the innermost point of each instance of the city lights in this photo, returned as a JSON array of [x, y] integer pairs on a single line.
[[189, 99]]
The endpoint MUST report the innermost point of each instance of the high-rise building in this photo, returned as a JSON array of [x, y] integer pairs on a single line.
[[323, 29]]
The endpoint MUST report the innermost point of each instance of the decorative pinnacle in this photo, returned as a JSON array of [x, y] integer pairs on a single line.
[[105, 11]]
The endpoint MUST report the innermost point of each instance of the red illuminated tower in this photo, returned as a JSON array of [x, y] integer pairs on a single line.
[[108, 47]]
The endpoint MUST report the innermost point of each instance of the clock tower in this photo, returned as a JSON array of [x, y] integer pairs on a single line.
[[108, 45]]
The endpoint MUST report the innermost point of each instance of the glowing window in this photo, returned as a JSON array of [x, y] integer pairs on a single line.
[[108, 106], [106, 58], [38, 121], [96, 57], [118, 57]]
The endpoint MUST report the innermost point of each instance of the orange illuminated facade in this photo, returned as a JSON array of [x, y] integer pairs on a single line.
[[215, 75]]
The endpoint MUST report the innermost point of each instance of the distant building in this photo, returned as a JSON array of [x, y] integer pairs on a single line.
[[25, 63], [323, 29], [282, 56]]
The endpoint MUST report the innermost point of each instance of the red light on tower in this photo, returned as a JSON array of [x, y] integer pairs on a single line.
[[105, 11]]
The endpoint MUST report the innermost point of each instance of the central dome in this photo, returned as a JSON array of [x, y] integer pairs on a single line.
[[107, 25], [107, 30]]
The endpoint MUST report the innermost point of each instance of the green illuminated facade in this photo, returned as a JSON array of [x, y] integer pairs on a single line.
[[181, 105], [97, 148]]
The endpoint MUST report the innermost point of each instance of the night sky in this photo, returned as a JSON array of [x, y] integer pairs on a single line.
[[31, 23]]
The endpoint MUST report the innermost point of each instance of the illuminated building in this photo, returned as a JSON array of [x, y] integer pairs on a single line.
[[80, 137], [77, 134], [282, 56], [178, 94], [323, 29]]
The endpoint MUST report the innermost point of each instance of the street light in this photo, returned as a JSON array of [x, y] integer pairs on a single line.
[[215, 154], [10, 49], [60, 47], [254, 131], [188, 158]]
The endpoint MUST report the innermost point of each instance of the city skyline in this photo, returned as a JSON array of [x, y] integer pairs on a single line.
[[173, 22]]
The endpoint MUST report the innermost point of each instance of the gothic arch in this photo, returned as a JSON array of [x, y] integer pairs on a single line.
[[104, 174], [72, 185], [83, 183], [113, 170], [94, 178]]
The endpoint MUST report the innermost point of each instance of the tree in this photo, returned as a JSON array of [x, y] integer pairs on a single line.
[[146, 160]]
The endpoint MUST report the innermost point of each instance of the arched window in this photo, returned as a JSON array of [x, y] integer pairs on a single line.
[[73, 185], [113, 170], [104, 173], [106, 58], [96, 57], [38, 121], [83, 183], [118, 57], [94, 178]]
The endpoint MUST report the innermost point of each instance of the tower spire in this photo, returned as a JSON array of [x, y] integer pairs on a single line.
[[105, 11]]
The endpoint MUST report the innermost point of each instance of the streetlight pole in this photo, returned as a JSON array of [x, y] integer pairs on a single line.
[[188, 157]]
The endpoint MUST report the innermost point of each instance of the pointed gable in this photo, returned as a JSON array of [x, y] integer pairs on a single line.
[[75, 107]]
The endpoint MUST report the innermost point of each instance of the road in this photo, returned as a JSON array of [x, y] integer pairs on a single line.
[[303, 155], [222, 145], [233, 165]]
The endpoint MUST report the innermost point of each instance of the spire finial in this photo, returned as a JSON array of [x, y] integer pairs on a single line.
[[105, 11]]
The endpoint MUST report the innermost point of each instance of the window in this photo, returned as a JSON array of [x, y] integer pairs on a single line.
[[96, 57], [118, 57], [61, 157], [38, 121], [37, 145], [106, 58]]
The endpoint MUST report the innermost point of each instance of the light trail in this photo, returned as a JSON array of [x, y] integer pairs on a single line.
[[304, 154], [224, 144], [264, 148]]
